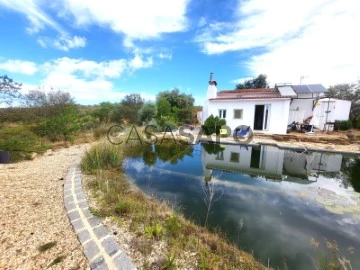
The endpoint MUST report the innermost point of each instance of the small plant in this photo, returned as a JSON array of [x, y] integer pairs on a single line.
[[172, 225], [123, 208], [154, 231], [331, 259], [97, 212], [46, 246], [169, 263], [101, 156], [57, 260]]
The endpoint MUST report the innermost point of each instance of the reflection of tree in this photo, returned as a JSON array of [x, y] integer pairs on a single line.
[[149, 156], [211, 197], [212, 148], [351, 170], [165, 152], [172, 152]]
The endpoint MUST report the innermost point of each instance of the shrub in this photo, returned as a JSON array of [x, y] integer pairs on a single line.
[[19, 138], [343, 125], [154, 231], [213, 125], [123, 208], [172, 225], [100, 131], [101, 156]]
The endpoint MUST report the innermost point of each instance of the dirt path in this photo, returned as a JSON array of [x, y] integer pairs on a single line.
[[32, 214]]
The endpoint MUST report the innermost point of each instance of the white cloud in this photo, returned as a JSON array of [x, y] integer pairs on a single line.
[[299, 38], [165, 55], [87, 80], [63, 42], [202, 22], [241, 80], [19, 66], [138, 62], [37, 17], [136, 19]]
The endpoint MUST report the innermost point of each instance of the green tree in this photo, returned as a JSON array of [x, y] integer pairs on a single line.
[[258, 82], [178, 106], [129, 109], [348, 91], [49, 103], [9, 90], [163, 107], [62, 126], [103, 113], [148, 112]]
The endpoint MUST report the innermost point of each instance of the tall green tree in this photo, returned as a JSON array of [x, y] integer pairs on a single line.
[[148, 112], [9, 90], [175, 105], [258, 82], [129, 109], [103, 113]]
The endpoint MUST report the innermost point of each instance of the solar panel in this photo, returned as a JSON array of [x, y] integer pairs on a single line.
[[317, 88], [309, 88], [301, 88], [286, 91]]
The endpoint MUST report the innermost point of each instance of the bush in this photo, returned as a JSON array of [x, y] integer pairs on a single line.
[[357, 126], [101, 156], [343, 125], [213, 125], [100, 131], [19, 138]]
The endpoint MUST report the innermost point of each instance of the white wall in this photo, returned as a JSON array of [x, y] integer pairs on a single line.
[[278, 117], [302, 108], [342, 109]]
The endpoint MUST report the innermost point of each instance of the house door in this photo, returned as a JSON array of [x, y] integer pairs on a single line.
[[261, 117]]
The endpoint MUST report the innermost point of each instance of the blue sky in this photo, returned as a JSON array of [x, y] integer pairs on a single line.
[[103, 50]]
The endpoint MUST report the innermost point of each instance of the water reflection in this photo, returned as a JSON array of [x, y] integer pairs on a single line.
[[268, 201]]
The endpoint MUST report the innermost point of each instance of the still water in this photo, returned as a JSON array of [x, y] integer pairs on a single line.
[[270, 202]]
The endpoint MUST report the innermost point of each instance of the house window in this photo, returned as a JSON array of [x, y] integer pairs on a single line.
[[234, 157], [222, 113], [220, 155], [238, 114]]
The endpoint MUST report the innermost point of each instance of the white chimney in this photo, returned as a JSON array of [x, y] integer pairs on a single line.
[[212, 90]]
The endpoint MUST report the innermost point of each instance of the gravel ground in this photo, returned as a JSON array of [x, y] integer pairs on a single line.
[[32, 213]]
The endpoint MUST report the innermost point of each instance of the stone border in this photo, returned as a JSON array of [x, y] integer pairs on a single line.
[[99, 246]]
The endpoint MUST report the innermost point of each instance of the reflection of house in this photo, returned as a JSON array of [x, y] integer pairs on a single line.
[[270, 162], [303, 165], [245, 159]]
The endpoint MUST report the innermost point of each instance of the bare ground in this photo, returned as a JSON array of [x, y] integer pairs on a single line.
[[33, 214]]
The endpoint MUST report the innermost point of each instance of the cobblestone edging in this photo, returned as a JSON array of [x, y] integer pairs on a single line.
[[100, 248]]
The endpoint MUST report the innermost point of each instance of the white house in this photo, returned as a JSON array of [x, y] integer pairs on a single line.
[[270, 110], [265, 110]]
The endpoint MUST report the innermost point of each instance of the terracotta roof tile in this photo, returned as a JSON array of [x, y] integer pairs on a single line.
[[258, 93]]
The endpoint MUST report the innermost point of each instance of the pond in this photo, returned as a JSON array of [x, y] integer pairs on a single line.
[[268, 201]]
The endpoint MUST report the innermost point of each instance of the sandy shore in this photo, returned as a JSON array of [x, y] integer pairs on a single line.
[[33, 214]]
